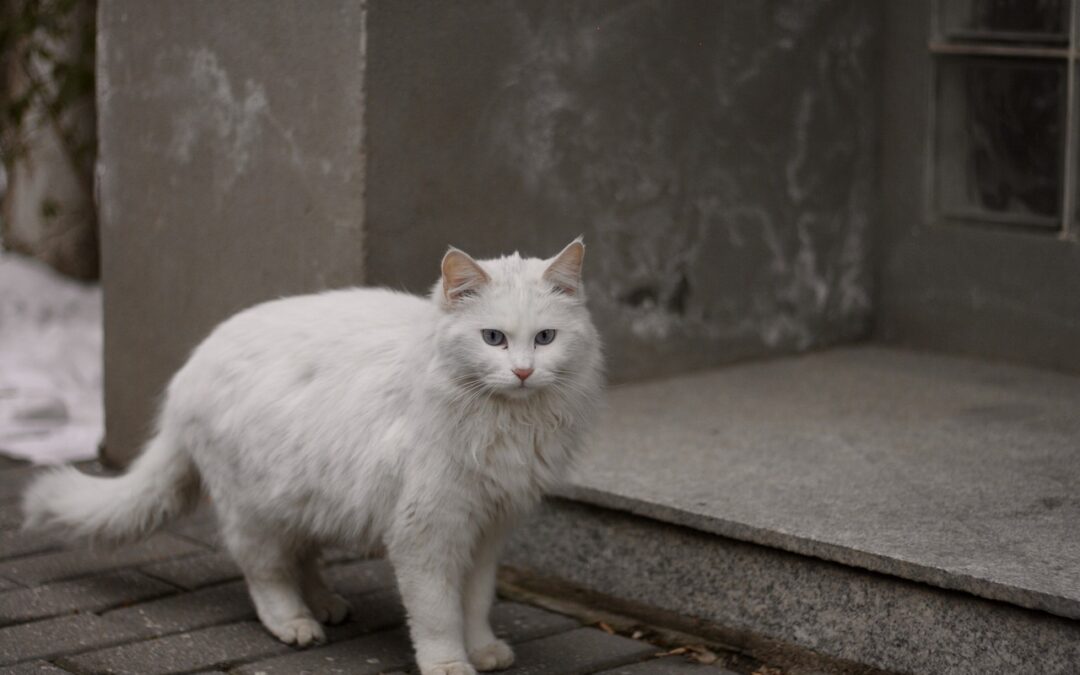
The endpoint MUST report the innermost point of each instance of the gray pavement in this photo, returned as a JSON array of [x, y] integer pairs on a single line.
[[176, 604]]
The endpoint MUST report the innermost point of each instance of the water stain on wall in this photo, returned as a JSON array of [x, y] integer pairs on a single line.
[[718, 156]]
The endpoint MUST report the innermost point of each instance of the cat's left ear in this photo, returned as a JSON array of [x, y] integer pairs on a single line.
[[565, 269], [461, 276]]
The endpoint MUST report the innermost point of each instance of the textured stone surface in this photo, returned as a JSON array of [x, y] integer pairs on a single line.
[[12, 485], [350, 578], [248, 170], [15, 543], [205, 607], [390, 650], [195, 571], [717, 156], [186, 652], [673, 665], [200, 525], [33, 668], [358, 578], [44, 639], [10, 517], [89, 594], [361, 656], [953, 472], [756, 593], [583, 650], [77, 562], [518, 623]]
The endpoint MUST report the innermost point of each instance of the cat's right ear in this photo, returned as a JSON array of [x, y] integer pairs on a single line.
[[461, 276]]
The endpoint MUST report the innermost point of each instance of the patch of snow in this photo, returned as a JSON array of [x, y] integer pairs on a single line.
[[50, 364]]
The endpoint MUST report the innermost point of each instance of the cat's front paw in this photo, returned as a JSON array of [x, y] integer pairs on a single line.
[[330, 608], [494, 656], [452, 668], [301, 632]]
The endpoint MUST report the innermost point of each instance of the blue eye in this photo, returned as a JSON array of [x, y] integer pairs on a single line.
[[545, 337], [493, 337]]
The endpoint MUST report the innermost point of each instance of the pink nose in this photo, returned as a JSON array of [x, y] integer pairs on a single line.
[[523, 373]]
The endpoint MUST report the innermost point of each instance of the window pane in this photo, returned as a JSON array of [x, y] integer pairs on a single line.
[[1000, 138], [1036, 21]]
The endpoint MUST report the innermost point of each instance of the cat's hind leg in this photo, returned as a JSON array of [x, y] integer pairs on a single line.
[[326, 605], [273, 571]]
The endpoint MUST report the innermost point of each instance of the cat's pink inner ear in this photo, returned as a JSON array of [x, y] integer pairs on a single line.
[[461, 275], [565, 270]]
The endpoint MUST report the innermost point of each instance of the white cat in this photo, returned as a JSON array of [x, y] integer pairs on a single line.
[[368, 418]]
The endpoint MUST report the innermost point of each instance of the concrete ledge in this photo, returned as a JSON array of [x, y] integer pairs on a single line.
[[755, 595], [953, 472]]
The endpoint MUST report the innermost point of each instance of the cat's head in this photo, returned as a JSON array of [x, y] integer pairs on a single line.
[[514, 326]]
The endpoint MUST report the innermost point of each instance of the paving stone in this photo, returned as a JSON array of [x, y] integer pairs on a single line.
[[230, 602], [372, 653], [90, 594], [16, 543], [351, 578], [10, 516], [518, 623], [200, 526], [672, 665], [34, 668], [206, 649], [7, 462], [64, 635], [366, 655], [82, 562], [210, 606], [392, 649], [583, 650], [373, 611], [357, 578], [14, 480], [195, 571]]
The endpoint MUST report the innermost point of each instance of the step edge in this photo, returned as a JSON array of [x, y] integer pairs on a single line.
[[989, 589]]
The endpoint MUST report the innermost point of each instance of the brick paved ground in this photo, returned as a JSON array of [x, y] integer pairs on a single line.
[[175, 604]]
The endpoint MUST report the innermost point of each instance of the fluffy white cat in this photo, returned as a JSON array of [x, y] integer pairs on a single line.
[[375, 419]]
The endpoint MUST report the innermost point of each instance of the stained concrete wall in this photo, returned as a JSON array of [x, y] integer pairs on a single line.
[[989, 292], [718, 156], [231, 171]]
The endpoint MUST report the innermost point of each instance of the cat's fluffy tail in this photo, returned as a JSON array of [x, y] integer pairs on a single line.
[[160, 485]]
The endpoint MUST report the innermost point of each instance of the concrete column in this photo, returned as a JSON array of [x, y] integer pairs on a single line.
[[231, 171]]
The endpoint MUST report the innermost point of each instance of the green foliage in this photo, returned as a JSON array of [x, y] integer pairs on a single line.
[[40, 80]]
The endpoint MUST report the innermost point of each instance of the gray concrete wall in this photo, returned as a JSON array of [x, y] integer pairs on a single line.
[[718, 156], [962, 288], [231, 171]]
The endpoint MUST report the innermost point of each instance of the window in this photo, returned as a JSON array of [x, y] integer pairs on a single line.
[[1004, 117]]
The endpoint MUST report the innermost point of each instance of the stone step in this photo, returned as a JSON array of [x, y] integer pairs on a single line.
[[906, 511]]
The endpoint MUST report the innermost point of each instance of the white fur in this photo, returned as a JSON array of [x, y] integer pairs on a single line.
[[367, 418]]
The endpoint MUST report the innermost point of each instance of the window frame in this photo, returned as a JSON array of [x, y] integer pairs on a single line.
[[940, 49]]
